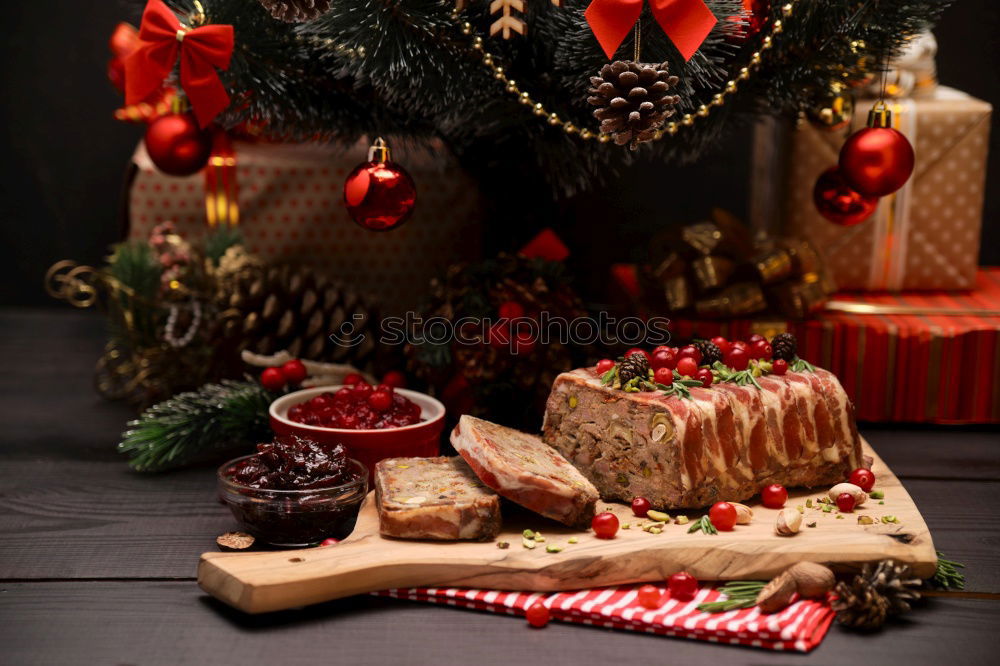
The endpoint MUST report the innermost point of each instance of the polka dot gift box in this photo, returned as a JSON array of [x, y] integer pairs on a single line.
[[291, 208], [924, 236]]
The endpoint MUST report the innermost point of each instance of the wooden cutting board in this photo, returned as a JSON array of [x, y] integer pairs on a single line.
[[365, 561]]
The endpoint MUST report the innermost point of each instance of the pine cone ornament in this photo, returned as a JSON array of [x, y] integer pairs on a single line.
[[266, 309], [876, 593], [710, 352], [633, 100], [633, 365], [296, 11], [783, 346]]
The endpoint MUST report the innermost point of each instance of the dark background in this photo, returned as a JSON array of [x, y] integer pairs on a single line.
[[65, 157]]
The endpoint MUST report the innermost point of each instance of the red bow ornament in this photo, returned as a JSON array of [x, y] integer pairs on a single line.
[[686, 22], [201, 50]]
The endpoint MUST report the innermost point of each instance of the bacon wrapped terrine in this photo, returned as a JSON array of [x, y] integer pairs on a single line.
[[434, 498], [724, 443]]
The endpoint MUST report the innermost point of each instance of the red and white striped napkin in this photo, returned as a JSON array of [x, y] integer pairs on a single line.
[[799, 627]]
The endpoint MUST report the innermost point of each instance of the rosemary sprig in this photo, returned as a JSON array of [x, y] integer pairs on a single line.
[[801, 365], [739, 594], [947, 576], [738, 377], [703, 524]]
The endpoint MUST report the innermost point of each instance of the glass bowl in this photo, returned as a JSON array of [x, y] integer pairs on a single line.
[[294, 518]]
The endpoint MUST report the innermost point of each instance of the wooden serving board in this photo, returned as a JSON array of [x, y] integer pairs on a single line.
[[365, 562]]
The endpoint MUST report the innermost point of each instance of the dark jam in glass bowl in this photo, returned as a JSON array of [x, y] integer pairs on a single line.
[[357, 407], [294, 492]]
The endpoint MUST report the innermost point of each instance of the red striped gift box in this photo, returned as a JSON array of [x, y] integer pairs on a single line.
[[800, 627]]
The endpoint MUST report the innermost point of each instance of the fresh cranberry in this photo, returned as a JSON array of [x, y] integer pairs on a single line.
[[511, 310], [319, 402], [690, 351], [774, 496], [605, 525], [779, 366], [723, 516], [649, 597], [395, 379], [683, 586], [385, 388], [353, 378], [662, 348], [343, 395], [722, 344], [863, 478], [756, 337], [294, 371], [296, 412], [537, 615], [705, 376], [636, 350], [845, 502], [664, 376], [687, 366], [362, 388], [380, 400], [663, 358], [760, 350], [739, 344], [272, 379], [604, 365], [737, 359], [641, 506]]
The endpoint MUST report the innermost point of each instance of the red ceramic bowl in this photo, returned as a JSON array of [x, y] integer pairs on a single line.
[[368, 446]]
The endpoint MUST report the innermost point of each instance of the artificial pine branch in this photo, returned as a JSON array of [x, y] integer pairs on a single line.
[[198, 425]]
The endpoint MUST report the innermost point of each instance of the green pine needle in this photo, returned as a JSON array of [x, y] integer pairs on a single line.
[[223, 238], [198, 425]]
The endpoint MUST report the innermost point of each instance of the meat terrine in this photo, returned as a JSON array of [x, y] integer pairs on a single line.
[[523, 469], [722, 444], [434, 498]]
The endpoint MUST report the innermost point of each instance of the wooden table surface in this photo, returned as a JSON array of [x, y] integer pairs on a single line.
[[97, 563]]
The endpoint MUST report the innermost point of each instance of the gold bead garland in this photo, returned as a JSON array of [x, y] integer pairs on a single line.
[[687, 120]]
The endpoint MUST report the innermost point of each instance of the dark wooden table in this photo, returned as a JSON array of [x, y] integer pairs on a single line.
[[97, 563]]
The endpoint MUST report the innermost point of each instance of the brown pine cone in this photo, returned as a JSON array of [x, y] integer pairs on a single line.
[[634, 365], [783, 346], [296, 11], [710, 352], [876, 593], [633, 100]]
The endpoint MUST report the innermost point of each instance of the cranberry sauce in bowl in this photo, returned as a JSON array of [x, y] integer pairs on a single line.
[[294, 491], [357, 407]]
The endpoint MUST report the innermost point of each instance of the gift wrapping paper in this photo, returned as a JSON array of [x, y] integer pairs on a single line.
[[288, 201], [798, 628], [921, 356], [926, 235]]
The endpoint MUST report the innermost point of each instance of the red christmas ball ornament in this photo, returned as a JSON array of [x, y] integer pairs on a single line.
[[379, 194], [837, 202], [877, 160], [177, 145]]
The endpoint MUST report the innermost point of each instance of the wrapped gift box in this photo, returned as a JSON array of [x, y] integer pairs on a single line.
[[912, 356], [290, 208], [926, 235]]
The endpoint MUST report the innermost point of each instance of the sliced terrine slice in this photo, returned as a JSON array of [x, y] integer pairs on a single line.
[[525, 470], [434, 498]]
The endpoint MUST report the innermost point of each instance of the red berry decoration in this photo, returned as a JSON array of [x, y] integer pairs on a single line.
[[379, 194], [683, 586], [739, 344], [722, 344], [649, 597], [380, 400], [737, 358], [352, 379], [511, 310], [395, 379], [294, 371], [363, 388], [272, 379], [636, 350], [690, 351], [641, 506], [705, 376], [664, 376], [663, 358], [837, 202], [779, 366], [878, 159], [863, 478], [604, 365], [177, 145], [723, 516], [845, 502], [687, 366], [754, 338], [774, 496], [760, 350], [537, 615], [605, 525], [329, 542]]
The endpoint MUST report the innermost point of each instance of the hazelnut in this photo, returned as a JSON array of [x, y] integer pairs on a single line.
[[859, 495], [788, 523]]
